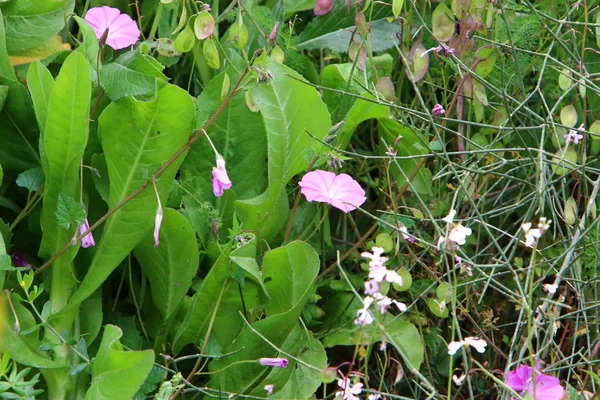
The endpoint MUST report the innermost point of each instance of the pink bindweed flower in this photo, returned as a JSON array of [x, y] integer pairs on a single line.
[[220, 180], [323, 7], [546, 387], [341, 191], [573, 136], [476, 343], [348, 392], [269, 389], [87, 240], [273, 362], [157, 222], [438, 110], [122, 30]]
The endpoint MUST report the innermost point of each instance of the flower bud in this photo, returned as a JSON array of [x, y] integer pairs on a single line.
[[185, 41], [385, 86], [211, 54], [204, 25], [328, 375], [323, 7], [220, 180], [273, 362], [238, 34]]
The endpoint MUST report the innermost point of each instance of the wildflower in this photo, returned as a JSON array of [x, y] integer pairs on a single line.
[[573, 136], [206, 7], [323, 7], [382, 345], [269, 389], [363, 316], [18, 260], [450, 217], [273, 362], [371, 287], [405, 236], [348, 392], [458, 234], [220, 180], [157, 222], [375, 396], [546, 387], [87, 240], [273, 35], [375, 257], [381, 273], [438, 110], [531, 235], [476, 343], [341, 191], [390, 152], [383, 303], [122, 30], [442, 50], [398, 138], [551, 289], [458, 380]]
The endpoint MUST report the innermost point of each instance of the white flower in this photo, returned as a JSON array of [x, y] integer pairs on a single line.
[[458, 380], [383, 303], [348, 392], [374, 396], [375, 257], [550, 288], [393, 277], [531, 235], [371, 287], [450, 217], [363, 316], [458, 234], [476, 343], [380, 273]]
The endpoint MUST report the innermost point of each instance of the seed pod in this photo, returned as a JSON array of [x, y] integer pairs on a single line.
[[238, 34], [204, 25], [277, 54], [385, 86], [570, 211], [166, 48], [361, 24], [226, 86], [185, 41], [211, 54], [358, 53]]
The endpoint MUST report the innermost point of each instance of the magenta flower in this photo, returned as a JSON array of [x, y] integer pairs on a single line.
[[545, 388], [87, 240], [157, 222], [122, 30], [273, 362], [220, 180], [341, 191], [323, 7], [438, 110]]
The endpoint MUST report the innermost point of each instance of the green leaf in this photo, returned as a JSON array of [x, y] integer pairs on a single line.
[[152, 382], [132, 74], [291, 7], [172, 266], [40, 83], [289, 108], [69, 212], [118, 374], [397, 7], [29, 23], [89, 45], [6, 68], [245, 257], [31, 179], [3, 95], [360, 112], [297, 262], [405, 337], [138, 137]]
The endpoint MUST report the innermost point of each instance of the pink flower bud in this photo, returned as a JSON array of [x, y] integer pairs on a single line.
[[323, 7], [273, 362], [438, 110], [87, 240], [157, 222], [220, 180]]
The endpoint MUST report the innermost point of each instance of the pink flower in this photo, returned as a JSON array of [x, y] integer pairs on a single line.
[[323, 7], [545, 388], [371, 287], [269, 389], [122, 30], [348, 392], [438, 110], [220, 180], [273, 362], [157, 222], [87, 240], [573, 136], [341, 191]]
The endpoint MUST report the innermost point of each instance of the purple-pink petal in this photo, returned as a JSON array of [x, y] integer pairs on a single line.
[[517, 379], [122, 30], [341, 191]]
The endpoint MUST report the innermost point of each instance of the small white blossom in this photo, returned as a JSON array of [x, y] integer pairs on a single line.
[[550, 288], [532, 235], [459, 234], [458, 380], [573, 136], [348, 392], [375, 257], [476, 343]]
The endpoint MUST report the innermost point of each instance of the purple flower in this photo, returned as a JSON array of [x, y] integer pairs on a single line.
[[269, 389], [122, 30], [273, 35], [371, 287], [438, 110], [573, 136], [545, 387], [273, 362], [220, 180], [87, 240], [17, 259], [157, 222]]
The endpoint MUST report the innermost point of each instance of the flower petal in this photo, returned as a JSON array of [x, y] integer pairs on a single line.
[[315, 185]]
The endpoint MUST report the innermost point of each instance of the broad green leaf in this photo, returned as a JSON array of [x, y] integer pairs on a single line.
[[410, 145], [32, 179], [40, 83], [90, 317], [132, 74], [405, 337], [290, 108], [329, 31], [41, 52], [3, 95], [361, 111], [172, 266], [291, 7], [69, 212], [138, 137], [245, 257], [29, 23], [118, 374], [89, 45], [485, 61], [300, 263], [3, 254], [217, 284], [6, 69]]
